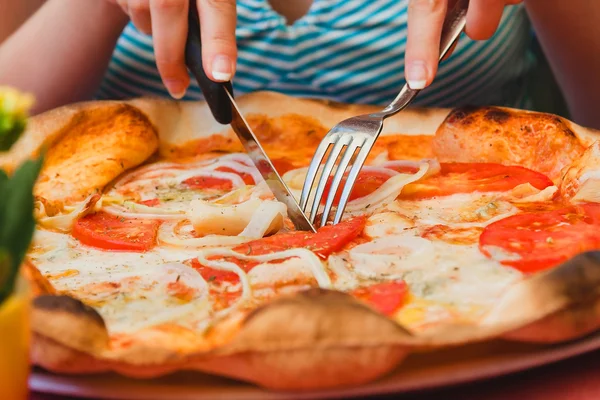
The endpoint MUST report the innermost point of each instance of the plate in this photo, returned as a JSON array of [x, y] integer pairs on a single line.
[[418, 372]]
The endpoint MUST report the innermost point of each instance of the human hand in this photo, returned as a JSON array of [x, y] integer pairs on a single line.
[[425, 21], [167, 22]]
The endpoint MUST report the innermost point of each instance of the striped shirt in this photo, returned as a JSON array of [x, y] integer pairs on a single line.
[[344, 50]]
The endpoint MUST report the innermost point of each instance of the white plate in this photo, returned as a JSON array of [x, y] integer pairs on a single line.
[[422, 371]]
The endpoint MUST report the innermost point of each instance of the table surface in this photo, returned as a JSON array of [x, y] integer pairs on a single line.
[[577, 378]]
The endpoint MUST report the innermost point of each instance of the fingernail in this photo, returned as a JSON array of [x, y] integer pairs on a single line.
[[176, 88], [416, 75], [222, 68]]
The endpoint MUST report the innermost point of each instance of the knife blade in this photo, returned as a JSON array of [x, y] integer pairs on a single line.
[[225, 110], [266, 168]]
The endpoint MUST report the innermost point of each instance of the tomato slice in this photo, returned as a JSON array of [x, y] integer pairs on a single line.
[[402, 168], [109, 232], [219, 276], [248, 179], [216, 183], [327, 240], [208, 182], [385, 297], [150, 202], [544, 239], [181, 290], [282, 165], [366, 183], [474, 177]]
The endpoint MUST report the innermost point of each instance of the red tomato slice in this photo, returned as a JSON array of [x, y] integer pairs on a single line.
[[544, 239], [248, 179], [366, 183], [385, 297], [109, 232], [474, 177], [220, 276], [401, 167], [151, 202], [282, 165], [210, 182], [327, 240]]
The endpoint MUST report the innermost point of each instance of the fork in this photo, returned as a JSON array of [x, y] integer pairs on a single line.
[[358, 135]]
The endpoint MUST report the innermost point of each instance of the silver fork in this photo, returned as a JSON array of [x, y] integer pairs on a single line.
[[358, 135]]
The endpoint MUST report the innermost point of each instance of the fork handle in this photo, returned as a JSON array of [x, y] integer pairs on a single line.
[[214, 92], [453, 26]]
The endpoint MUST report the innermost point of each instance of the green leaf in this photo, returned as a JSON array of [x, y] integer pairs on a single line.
[[5, 275], [17, 222], [10, 133]]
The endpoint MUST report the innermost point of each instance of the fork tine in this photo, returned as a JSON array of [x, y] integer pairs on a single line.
[[329, 164], [337, 178], [311, 174], [351, 180]]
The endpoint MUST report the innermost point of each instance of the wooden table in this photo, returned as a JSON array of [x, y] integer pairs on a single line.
[[577, 378]]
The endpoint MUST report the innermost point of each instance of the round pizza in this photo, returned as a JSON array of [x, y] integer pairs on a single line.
[[159, 247]]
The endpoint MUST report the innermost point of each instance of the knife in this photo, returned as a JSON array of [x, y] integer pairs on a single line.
[[221, 102]]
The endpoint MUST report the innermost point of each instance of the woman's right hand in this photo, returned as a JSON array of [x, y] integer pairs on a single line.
[[167, 22]]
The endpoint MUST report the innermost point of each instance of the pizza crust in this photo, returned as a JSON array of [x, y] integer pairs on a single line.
[[542, 142], [69, 321], [332, 339], [179, 123], [581, 179]]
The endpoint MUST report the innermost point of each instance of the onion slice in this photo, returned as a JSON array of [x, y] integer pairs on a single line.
[[237, 219], [386, 193], [167, 234], [64, 222], [526, 193], [391, 256], [310, 260], [142, 211]]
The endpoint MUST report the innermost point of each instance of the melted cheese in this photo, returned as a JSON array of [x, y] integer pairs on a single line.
[[435, 271], [458, 210], [292, 271], [386, 224], [390, 257], [130, 290], [344, 278]]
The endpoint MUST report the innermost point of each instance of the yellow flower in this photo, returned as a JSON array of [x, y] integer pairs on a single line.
[[14, 108]]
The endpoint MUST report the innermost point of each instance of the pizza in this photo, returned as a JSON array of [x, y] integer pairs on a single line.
[[160, 248]]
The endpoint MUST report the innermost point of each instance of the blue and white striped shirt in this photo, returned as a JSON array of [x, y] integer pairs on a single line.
[[344, 50]]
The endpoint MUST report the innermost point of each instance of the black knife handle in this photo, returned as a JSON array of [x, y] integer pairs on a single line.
[[214, 92]]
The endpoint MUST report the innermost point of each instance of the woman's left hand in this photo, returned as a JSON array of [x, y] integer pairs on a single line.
[[425, 21]]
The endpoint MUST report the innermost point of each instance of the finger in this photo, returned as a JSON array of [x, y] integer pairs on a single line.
[[425, 21], [483, 18], [124, 4], [139, 12], [217, 26], [169, 31]]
